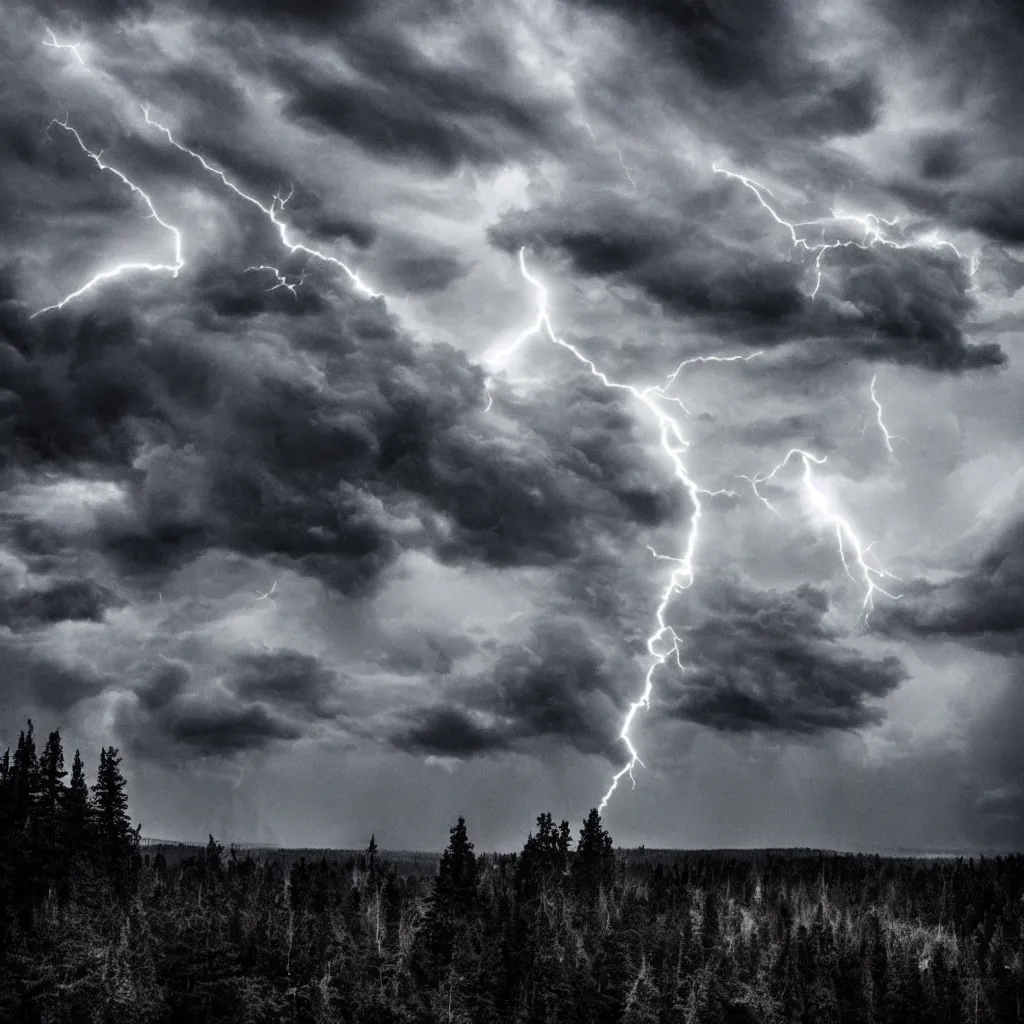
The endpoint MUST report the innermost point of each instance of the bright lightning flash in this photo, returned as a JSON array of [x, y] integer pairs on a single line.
[[271, 212], [268, 596], [845, 533], [282, 279], [872, 226], [56, 44], [664, 642], [122, 268], [887, 438]]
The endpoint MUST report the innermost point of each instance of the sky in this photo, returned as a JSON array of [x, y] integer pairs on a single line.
[[392, 394]]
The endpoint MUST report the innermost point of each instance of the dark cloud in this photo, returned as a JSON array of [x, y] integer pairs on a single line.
[[906, 306], [448, 731], [34, 678], [399, 103], [685, 270], [215, 420], [225, 730], [912, 309], [94, 11], [219, 448], [769, 661], [560, 685], [972, 176], [262, 698], [982, 606], [58, 601], [285, 678], [756, 56]]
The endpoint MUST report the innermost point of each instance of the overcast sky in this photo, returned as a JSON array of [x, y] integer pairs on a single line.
[[454, 528]]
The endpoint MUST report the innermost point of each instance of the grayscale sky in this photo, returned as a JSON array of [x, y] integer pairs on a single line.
[[327, 557]]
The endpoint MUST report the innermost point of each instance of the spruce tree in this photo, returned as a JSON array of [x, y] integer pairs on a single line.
[[453, 900], [76, 809], [25, 771], [6, 797], [116, 839], [48, 831], [594, 863], [371, 861], [456, 880]]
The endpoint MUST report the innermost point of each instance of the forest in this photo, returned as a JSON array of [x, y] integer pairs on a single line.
[[95, 927]]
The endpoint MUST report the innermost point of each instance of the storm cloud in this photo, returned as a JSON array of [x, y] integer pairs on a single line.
[[983, 605], [764, 660], [261, 511]]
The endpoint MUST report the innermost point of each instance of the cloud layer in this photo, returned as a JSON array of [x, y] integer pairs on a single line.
[[252, 514]]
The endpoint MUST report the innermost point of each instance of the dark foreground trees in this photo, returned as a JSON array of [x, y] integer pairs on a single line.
[[94, 932]]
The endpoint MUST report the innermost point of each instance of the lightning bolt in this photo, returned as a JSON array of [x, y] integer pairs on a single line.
[[268, 595], [872, 226], [846, 535], [56, 44], [122, 268], [622, 161], [282, 279], [663, 642], [271, 212], [887, 438]]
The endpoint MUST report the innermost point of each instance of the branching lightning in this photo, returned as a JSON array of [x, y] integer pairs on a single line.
[[846, 535], [271, 212], [56, 44], [872, 226], [282, 279], [122, 268], [663, 643]]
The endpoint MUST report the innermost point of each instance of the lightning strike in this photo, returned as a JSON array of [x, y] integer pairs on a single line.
[[887, 438], [282, 279], [56, 44], [271, 212], [629, 174], [846, 536], [872, 226], [267, 596], [122, 268], [663, 643]]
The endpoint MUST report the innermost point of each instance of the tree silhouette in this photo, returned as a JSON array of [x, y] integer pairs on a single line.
[[594, 864], [115, 837]]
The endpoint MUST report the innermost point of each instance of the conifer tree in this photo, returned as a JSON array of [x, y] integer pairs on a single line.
[[76, 809], [48, 838], [51, 777], [115, 837], [371, 860], [6, 796], [25, 770], [456, 880], [453, 899], [594, 863]]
